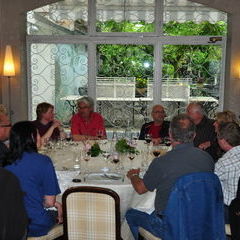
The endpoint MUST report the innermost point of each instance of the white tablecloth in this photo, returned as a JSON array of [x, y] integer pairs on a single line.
[[65, 158], [128, 197]]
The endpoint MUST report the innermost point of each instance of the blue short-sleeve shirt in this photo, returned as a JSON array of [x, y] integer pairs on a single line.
[[37, 178]]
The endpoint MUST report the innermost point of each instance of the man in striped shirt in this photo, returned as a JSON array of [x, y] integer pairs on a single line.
[[228, 166]]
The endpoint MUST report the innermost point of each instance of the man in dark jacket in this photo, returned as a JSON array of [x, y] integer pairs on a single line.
[[206, 138], [158, 128]]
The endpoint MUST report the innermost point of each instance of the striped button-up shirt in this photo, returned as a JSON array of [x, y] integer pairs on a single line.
[[228, 170]]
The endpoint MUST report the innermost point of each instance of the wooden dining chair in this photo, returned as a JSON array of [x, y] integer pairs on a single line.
[[54, 233], [91, 213]]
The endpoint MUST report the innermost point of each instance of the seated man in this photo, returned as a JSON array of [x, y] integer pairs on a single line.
[[163, 172], [86, 124], [205, 138], [228, 166], [47, 126], [158, 128]]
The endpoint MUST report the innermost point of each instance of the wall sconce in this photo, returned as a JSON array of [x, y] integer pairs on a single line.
[[9, 71]]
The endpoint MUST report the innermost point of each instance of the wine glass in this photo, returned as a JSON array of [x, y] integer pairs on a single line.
[[148, 138], [167, 141], [116, 160], [156, 151], [131, 156], [68, 136], [100, 134], [76, 162], [86, 158], [114, 136]]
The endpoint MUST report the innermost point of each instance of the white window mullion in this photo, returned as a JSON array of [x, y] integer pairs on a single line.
[[92, 17], [92, 71], [159, 17], [157, 92]]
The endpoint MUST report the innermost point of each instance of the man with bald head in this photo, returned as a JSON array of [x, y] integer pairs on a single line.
[[205, 138], [158, 128]]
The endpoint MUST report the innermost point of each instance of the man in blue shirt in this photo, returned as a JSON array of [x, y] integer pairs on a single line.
[[164, 171]]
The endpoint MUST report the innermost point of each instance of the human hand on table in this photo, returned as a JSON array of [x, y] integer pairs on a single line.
[[133, 172], [60, 214], [156, 141]]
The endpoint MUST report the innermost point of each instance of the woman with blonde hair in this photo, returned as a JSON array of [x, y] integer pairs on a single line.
[[224, 117]]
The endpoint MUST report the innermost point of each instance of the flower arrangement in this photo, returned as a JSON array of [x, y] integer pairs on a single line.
[[94, 150], [122, 146]]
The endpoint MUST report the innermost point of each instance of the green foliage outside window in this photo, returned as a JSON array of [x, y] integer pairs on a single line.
[[196, 61]]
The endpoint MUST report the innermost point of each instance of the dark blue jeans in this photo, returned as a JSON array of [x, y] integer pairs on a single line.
[[152, 223]]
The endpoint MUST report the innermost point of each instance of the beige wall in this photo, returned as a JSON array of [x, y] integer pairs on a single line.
[[13, 32], [232, 71], [12, 29]]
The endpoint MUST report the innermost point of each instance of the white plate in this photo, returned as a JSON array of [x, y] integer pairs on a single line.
[[104, 176]]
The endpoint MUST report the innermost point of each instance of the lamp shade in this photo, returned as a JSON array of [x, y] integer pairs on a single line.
[[8, 65]]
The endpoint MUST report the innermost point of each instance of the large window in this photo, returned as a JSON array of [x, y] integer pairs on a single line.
[[127, 55]]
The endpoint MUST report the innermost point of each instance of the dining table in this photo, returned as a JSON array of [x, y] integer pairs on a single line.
[[74, 168]]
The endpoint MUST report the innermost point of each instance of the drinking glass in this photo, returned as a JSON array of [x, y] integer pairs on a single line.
[[77, 162], [131, 156], [116, 160], [167, 141], [68, 136], [86, 158], [156, 151], [100, 133], [114, 136], [148, 138]]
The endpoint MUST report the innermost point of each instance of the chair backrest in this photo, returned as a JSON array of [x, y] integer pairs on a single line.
[[234, 219], [91, 213], [195, 209]]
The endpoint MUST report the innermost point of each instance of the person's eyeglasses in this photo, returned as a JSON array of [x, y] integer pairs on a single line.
[[6, 125]]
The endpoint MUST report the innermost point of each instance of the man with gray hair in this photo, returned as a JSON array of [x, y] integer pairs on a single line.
[[87, 124], [228, 166], [163, 172], [205, 138]]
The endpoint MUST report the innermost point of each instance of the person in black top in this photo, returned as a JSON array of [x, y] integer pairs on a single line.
[[13, 218], [47, 126], [206, 136], [158, 128], [234, 215]]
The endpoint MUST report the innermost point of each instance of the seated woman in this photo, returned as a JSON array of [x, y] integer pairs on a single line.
[[158, 128], [47, 126], [86, 124], [37, 178], [224, 117], [221, 118]]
